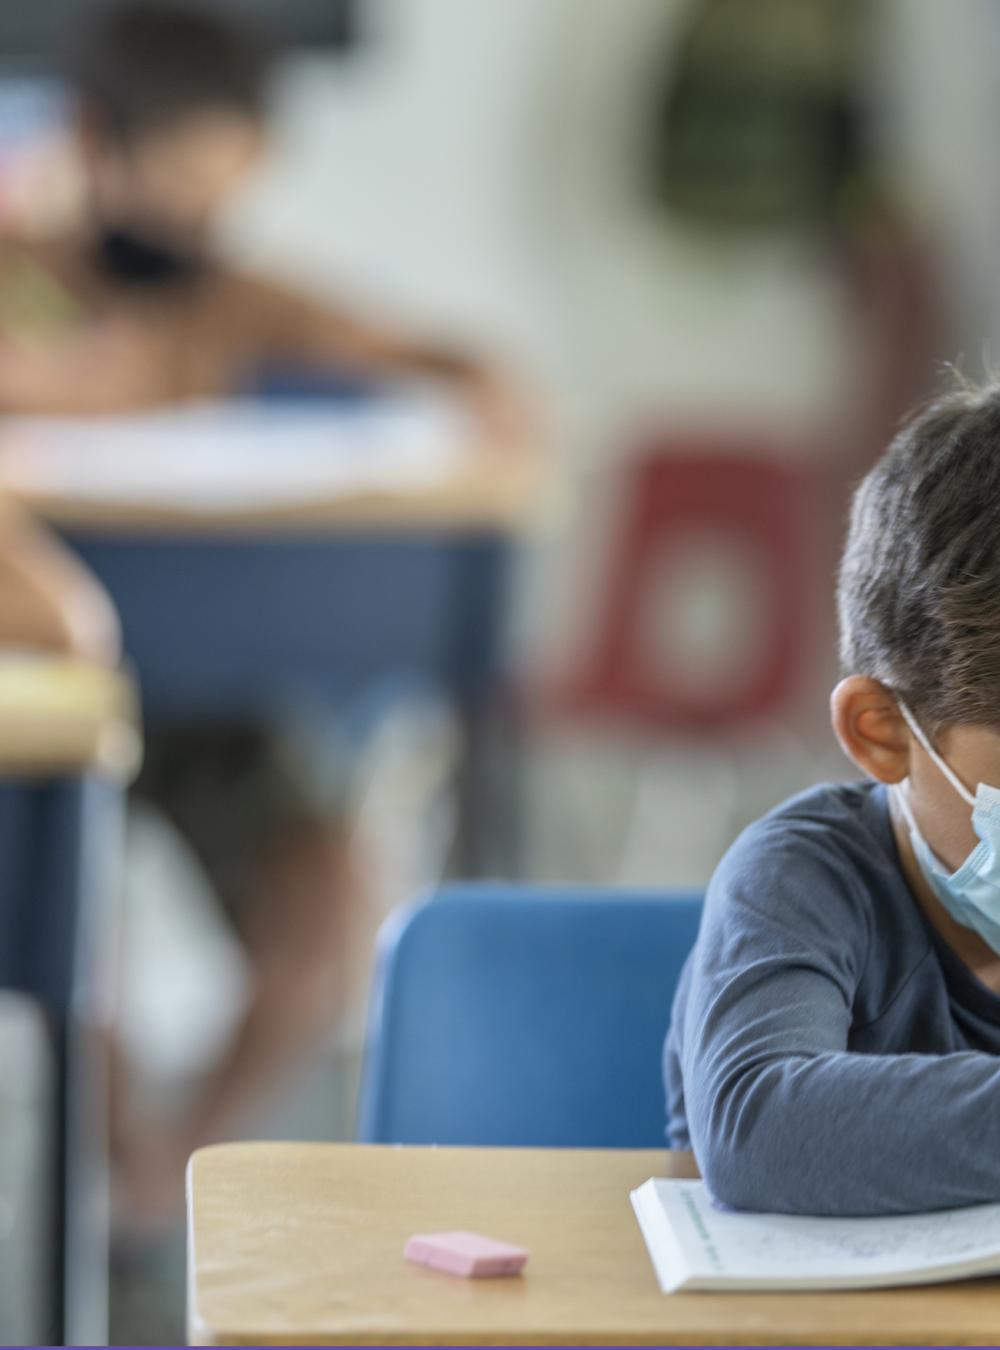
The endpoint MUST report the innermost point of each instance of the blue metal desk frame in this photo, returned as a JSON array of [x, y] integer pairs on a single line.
[[230, 622], [59, 841]]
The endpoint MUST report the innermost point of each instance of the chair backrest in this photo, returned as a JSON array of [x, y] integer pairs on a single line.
[[744, 498], [506, 1015]]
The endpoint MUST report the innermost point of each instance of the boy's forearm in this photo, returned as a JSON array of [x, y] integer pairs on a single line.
[[845, 1133]]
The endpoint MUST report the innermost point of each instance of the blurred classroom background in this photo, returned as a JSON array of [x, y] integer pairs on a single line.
[[723, 247]]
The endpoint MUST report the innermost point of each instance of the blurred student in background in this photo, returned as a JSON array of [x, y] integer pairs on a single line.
[[128, 305]]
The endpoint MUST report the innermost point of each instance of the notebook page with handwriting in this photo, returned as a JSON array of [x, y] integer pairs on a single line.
[[696, 1244]]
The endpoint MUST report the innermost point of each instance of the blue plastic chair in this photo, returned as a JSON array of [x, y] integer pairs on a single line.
[[506, 1015]]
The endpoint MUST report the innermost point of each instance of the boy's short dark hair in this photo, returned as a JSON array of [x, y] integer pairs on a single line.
[[143, 65], [919, 586]]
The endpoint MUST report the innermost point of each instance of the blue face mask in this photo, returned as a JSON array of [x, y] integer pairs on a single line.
[[972, 894]]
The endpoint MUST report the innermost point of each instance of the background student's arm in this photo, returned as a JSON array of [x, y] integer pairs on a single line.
[[54, 359], [114, 366], [288, 327], [48, 600], [63, 354], [781, 1115]]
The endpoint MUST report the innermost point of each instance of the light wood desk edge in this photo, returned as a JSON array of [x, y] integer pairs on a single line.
[[77, 719]]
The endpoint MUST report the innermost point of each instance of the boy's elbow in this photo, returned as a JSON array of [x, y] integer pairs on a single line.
[[729, 1172], [741, 1154], [757, 1150]]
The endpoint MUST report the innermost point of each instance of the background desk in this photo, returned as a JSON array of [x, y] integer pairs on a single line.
[[324, 602], [68, 743], [302, 1243]]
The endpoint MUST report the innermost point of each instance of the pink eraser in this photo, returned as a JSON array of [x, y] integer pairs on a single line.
[[467, 1254]]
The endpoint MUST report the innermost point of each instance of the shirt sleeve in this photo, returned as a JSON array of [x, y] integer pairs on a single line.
[[782, 1116]]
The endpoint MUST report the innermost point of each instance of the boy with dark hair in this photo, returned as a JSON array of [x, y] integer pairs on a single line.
[[129, 306], [834, 1041]]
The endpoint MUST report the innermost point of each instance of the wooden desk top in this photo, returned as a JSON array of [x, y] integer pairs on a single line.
[[62, 716], [302, 1243]]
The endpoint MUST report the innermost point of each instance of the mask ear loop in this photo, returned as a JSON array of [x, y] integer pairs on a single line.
[[946, 769], [903, 798]]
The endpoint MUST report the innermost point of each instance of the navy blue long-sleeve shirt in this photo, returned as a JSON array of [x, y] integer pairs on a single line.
[[828, 1053]]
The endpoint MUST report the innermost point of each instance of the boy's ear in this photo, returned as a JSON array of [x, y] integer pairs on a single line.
[[870, 728]]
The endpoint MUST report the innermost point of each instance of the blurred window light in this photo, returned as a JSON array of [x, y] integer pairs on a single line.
[[29, 108], [38, 181]]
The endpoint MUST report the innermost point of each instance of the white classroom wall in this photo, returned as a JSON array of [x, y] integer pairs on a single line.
[[472, 154], [399, 177], [940, 72], [471, 166]]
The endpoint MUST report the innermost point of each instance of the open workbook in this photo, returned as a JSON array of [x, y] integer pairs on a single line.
[[696, 1244], [241, 453]]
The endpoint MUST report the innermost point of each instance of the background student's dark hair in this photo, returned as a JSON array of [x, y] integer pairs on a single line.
[[919, 586], [142, 65]]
